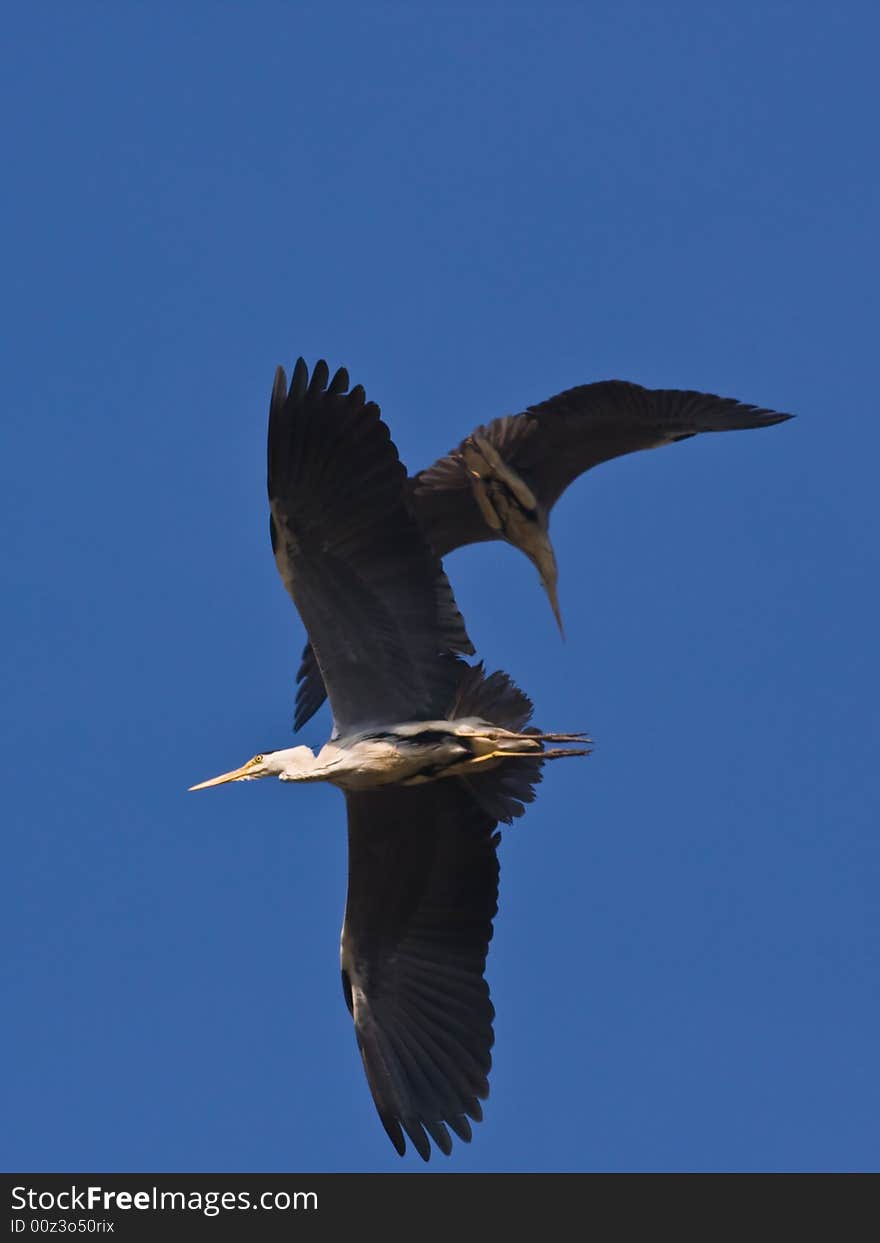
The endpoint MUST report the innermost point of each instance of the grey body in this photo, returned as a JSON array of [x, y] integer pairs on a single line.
[[417, 752], [411, 753]]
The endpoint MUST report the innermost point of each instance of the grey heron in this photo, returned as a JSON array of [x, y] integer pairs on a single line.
[[503, 480], [429, 751]]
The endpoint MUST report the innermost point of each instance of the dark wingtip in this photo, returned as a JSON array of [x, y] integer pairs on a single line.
[[440, 1136], [418, 1138], [279, 385], [339, 383], [416, 1128], [748, 418], [299, 380], [320, 376], [767, 418], [394, 1133]]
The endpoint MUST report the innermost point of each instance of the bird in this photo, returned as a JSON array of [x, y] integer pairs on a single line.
[[430, 752], [502, 481]]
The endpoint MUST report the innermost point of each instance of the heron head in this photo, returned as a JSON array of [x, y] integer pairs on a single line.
[[293, 764]]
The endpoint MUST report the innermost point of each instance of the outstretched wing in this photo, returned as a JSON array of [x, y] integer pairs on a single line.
[[422, 893], [549, 445], [378, 609]]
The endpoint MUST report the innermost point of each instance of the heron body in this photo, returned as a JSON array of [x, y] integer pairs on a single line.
[[430, 752], [408, 754]]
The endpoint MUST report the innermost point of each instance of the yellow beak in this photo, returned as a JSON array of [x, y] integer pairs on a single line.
[[550, 588], [221, 780]]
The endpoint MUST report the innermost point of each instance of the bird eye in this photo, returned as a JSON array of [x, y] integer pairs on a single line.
[[258, 759]]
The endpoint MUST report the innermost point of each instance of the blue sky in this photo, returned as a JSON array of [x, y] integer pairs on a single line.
[[471, 207]]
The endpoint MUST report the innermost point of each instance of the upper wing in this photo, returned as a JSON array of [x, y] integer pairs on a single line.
[[376, 604], [422, 893], [550, 444]]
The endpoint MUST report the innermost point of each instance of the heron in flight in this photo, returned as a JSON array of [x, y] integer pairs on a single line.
[[430, 752], [505, 477]]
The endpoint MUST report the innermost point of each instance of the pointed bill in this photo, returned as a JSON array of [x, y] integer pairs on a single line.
[[544, 559], [236, 775], [534, 541], [550, 588]]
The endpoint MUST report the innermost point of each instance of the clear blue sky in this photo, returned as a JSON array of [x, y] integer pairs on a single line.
[[471, 207]]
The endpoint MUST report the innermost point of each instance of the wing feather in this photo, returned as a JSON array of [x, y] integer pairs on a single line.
[[310, 692]]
